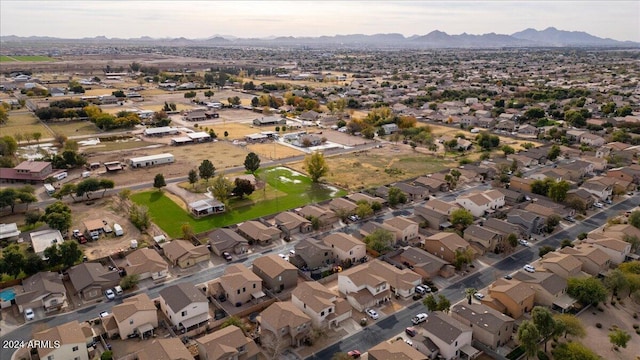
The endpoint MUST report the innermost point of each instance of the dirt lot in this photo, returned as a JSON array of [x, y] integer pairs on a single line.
[[598, 339], [104, 209], [438, 130]]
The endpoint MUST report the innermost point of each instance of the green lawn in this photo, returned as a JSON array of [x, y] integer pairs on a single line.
[[294, 190], [14, 58], [24, 122], [73, 128]]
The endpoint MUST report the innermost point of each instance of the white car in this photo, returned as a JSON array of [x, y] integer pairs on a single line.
[[598, 205], [523, 242], [110, 294], [478, 296], [529, 268], [422, 317], [372, 314], [29, 314]]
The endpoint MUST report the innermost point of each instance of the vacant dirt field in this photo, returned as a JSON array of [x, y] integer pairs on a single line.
[[598, 339], [439, 130], [266, 151], [23, 122], [366, 169]]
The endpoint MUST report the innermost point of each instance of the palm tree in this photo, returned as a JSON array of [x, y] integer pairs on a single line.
[[469, 293]]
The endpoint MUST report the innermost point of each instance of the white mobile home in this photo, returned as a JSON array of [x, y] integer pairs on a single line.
[[151, 160]]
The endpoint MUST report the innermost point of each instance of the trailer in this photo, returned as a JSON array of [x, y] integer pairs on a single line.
[[151, 160]]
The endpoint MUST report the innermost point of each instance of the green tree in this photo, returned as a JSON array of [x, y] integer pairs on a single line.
[[364, 210], [4, 116], [193, 177], [534, 113], [507, 150], [316, 165], [234, 321], [469, 292], [461, 218], [573, 351], [619, 337], [544, 250], [221, 188], [70, 253], [52, 255], [587, 291], [139, 216], [380, 240], [33, 264], [207, 170], [252, 162], [528, 337], [544, 322], [187, 231], [634, 219], [571, 325], [616, 281], [209, 94], [13, 259], [58, 216], [512, 240], [462, 257], [396, 196], [575, 118], [551, 223], [129, 281], [66, 189], [243, 187], [158, 182], [558, 190], [554, 152]]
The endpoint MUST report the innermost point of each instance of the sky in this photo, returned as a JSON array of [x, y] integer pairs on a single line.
[[619, 20]]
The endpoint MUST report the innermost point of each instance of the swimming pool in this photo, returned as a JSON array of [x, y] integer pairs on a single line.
[[7, 295]]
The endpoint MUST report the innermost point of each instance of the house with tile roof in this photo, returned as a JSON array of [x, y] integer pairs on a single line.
[[291, 223], [403, 228], [363, 288], [136, 314], [314, 253], [478, 203], [90, 280], [324, 307], [617, 250], [396, 350], [484, 238], [512, 297], [238, 284], [276, 273], [146, 263], [184, 305], [282, 323], [345, 247], [488, 326], [259, 233], [595, 262], [550, 289], [227, 240], [42, 290], [184, 254], [444, 245], [227, 343], [163, 349], [451, 336], [73, 338], [326, 217], [425, 264], [562, 264]]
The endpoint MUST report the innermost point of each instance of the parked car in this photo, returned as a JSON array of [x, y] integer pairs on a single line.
[[354, 354], [94, 235], [411, 331], [478, 296], [508, 277], [523, 242], [29, 314], [110, 294], [422, 317], [529, 268], [76, 233], [81, 239], [104, 314], [372, 314], [107, 229], [598, 205], [227, 256], [423, 289]]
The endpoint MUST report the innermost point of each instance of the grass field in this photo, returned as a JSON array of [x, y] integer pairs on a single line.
[[73, 128], [25, 58], [25, 123], [364, 170], [114, 146], [293, 190]]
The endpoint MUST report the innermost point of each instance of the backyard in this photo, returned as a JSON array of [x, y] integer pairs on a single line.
[[285, 189]]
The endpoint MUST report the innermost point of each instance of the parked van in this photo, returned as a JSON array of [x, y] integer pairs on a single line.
[[118, 290], [60, 176], [86, 174], [117, 229], [49, 189]]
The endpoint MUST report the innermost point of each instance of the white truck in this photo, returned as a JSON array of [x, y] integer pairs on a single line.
[[117, 229]]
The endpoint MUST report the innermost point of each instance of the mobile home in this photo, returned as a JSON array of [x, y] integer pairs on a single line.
[[151, 160]]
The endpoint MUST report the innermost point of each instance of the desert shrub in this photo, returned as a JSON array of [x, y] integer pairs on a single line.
[[599, 326]]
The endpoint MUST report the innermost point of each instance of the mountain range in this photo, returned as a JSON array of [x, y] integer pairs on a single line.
[[550, 37]]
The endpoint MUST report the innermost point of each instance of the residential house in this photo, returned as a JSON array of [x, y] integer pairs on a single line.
[[227, 240], [488, 326], [9, 232], [592, 140], [578, 169], [511, 197], [601, 191], [345, 247], [341, 205], [227, 343], [314, 253], [451, 336], [184, 254], [325, 308], [363, 288], [164, 349], [520, 184], [550, 289], [424, 264], [511, 296], [184, 305], [483, 239], [445, 245], [355, 197], [412, 192], [276, 273], [257, 232], [432, 184], [528, 130], [238, 284], [146, 263], [504, 227], [390, 128], [403, 228], [135, 315], [291, 223], [522, 160], [480, 202], [282, 323], [396, 350], [42, 290], [581, 196], [561, 264], [532, 223], [30, 172], [617, 250], [90, 280], [629, 173], [326, 217], [41, 240], [69, 341], [402, 282], [594, 261]]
